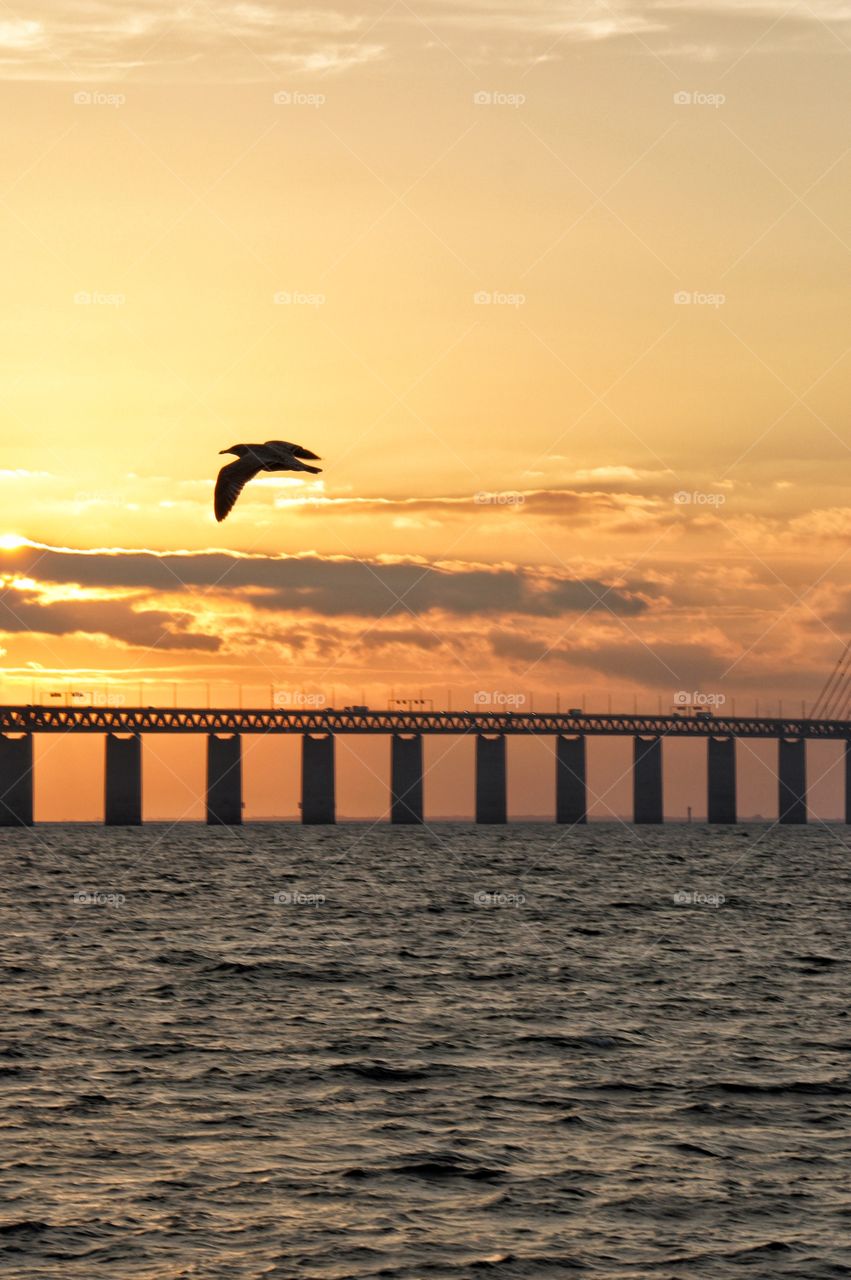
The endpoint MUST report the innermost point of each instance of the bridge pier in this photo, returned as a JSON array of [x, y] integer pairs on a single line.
[[721, 779], [647, 780], [792, 780], [123, 781], [224, 780], [406, 778], [491, 803], [16, 781], [571, 791], [318, 795]]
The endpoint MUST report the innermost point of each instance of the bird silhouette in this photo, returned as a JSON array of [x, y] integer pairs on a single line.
[[251, 459]]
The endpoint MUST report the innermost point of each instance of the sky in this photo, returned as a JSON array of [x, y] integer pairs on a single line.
[[559, 293]]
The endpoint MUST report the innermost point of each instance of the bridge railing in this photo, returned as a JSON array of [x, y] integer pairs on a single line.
[[47, 719]]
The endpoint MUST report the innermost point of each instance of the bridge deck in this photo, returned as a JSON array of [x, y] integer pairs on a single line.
[[44, 719]]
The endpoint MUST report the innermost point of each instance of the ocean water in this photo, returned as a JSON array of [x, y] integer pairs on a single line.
[[445, 1052]]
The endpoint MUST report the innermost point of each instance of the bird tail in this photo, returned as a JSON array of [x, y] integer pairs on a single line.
[[315, 471]]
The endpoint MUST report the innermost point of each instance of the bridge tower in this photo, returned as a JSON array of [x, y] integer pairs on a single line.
[[224, 780], [16, 780], [792, 780], [406, 778], [318, 791], [571, 789], [123, 780], [491, 802], [647, 780], [721, 779]]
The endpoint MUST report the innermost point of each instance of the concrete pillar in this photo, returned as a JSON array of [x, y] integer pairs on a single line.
[[848, 781], [792, 780], [571, 797], [647, 780], [16, 781], [491, 805], [318, 802], [406, 778], [721, 778], [224, 780], [123, 781]]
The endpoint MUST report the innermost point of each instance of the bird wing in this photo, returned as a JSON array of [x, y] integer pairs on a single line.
[[229, 485], [297, 450]]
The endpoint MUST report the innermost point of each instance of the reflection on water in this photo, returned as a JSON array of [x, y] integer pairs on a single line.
[[521, 1052]]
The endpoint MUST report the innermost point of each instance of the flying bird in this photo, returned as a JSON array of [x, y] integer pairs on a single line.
[[251, 459]]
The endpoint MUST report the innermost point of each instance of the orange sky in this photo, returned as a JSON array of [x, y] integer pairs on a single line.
[[239, 223]]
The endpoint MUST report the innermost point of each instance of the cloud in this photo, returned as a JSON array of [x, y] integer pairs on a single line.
[[572, 18], [24, 612], [65, 39], [221, 40], [662, 664], [20, 33], [595, 507], [332, 586], [669, 627]]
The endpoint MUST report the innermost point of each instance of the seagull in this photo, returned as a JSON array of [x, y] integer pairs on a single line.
[[251, 459]]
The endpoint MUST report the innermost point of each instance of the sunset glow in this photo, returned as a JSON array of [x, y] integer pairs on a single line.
[[557, 308]]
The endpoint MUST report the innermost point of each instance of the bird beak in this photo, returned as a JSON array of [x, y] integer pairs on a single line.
[[224, 451]]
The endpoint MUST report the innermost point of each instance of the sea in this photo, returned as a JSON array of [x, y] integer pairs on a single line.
[[438, 1053]]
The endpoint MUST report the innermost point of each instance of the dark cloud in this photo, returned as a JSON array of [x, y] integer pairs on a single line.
[[665, 666], [582, 504], [149, 628], [356, 588]]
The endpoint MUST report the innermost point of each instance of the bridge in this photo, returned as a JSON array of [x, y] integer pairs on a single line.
[[224, 728]]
